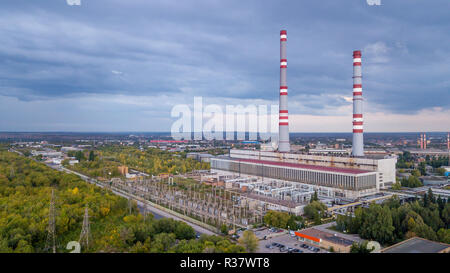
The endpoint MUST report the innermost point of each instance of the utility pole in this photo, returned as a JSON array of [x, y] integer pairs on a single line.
[[129, 206], [51, 235], [11, 172], [85, 230]]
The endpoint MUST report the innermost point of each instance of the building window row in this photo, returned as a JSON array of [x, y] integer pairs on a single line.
[[334, 180]]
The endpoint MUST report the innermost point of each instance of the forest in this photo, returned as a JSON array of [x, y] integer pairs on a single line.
[[412, 181], [104, 161], [406, 161], [116, 225], [281, 219], [393, 222]]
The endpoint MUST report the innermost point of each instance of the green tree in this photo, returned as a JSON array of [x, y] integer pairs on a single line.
[[314, 197], [276, 219], [397, 186], [224, 229], [162, 242], [315, 210], [422, 168], [249, 241], [184, 231], [443, 235], [441, 171], [430, 196], [91, 156], [360, 248], [446, 215], [27, 193], [292, 223], [411, 182], [377, 224], [79, 155], [416, 173]]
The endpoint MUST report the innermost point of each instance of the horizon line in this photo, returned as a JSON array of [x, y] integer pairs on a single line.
[[365, 132]]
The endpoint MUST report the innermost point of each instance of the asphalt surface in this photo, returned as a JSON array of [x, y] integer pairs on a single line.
[[352, 237], [285, 239]]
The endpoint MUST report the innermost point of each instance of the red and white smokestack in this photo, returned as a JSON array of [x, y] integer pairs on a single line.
[[358, 139], [283, 133], [448, 142], [424, 141], [421, 141]]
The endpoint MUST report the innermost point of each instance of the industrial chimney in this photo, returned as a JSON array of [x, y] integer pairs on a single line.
[[283, 137], [358, 139], [424, 141], [421, 141]]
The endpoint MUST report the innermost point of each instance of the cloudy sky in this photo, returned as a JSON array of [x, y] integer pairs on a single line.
[[122, 65]]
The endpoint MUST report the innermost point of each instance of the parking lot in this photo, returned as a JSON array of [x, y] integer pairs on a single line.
[[266, 233], [285, 243]]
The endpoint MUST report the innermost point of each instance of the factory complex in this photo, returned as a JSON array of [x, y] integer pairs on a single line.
[[287, 180]]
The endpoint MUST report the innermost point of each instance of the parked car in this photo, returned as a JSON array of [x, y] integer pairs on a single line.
[[304, 245], [316, 249], [268, 246], [283, 249], [296, 250], [275, 244]]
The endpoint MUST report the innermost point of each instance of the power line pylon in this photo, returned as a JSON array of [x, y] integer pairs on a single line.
[[12, 173], [51, 235], [129, 205], [85, 230]]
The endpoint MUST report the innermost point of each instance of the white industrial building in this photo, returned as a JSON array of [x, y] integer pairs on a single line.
[[383, 166], [329, 180]]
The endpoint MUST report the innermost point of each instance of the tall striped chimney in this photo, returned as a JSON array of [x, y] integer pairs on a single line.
[[421, 141], [358, 139], [283, 137], [424, 141]]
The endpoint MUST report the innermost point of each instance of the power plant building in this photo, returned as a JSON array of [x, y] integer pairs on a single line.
[[331, 176], [336, 177]]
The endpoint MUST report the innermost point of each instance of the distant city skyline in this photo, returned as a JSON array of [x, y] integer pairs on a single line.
[[115, 66]]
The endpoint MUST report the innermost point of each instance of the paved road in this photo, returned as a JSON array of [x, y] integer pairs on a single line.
[[287, 240]]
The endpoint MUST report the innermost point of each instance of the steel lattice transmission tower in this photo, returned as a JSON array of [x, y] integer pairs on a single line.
[[85, 230], [51, 235], [145, 212], [12, 173], [130, 205]]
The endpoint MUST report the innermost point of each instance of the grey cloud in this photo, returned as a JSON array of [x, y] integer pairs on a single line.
[[227, 49]]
